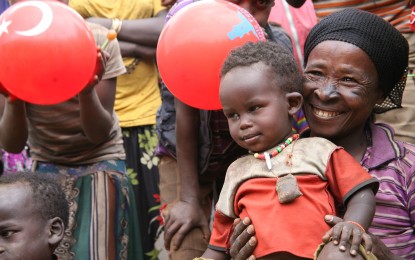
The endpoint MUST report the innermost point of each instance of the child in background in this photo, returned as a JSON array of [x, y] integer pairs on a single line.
[[286, 181], [33, 216]]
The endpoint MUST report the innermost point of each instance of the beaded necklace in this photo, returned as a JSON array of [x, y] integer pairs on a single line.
[[267, 156]]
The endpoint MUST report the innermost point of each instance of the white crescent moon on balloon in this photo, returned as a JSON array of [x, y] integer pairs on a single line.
[[45, 22]]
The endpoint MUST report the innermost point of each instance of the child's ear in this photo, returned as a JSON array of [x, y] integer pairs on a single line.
[[56, 231], [295, 102]]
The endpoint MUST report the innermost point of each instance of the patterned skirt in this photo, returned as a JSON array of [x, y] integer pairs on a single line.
[[103, 222], [140, 143]]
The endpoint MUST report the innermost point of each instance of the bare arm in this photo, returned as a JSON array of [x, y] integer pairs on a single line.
[[134, 50], [380, 250], [361, 207], [137, 38], [143, 31], [357, 219], [13, 125], [97, 104], [187, 137], [187, 213]]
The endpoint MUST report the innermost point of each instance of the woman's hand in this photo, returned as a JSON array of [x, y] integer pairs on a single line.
[[243, 241]]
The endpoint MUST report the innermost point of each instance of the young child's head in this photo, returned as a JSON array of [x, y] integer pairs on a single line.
[[260, 90], [33, 216]]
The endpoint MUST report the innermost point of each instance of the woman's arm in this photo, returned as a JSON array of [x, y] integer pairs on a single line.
[[187, 212], [143, 31], [136, 34]]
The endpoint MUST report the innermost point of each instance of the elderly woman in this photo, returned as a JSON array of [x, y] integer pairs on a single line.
[[355, 66]]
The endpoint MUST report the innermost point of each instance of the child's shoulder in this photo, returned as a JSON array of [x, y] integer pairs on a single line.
[[242, 161], [316, 141]]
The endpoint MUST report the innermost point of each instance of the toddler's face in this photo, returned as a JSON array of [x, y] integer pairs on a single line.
[[23, 232], [256, 107]]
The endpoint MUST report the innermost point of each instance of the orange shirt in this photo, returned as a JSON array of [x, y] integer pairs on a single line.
[[296, 227]]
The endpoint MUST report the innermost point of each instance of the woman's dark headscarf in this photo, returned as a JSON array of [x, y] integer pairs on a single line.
[[384, 44]]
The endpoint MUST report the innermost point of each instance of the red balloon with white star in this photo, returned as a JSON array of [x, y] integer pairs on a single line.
[[47, 54]]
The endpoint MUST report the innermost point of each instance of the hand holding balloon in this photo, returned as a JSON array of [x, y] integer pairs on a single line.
[[102, 58], [56, 66]]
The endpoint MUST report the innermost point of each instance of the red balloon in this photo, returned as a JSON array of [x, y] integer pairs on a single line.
[[47, 52], [194, 44]]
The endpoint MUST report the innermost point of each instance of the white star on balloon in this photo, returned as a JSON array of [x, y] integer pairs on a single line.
[[3, 26]]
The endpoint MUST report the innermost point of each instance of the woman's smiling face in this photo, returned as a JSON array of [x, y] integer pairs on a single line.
[[341, 89]]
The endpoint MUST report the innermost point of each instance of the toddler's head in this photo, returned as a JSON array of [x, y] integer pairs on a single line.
[[260, 90]]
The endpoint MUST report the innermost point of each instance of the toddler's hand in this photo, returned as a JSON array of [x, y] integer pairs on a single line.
[[349, 232]]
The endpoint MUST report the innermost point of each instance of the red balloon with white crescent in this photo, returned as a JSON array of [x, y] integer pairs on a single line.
[[47, 52]]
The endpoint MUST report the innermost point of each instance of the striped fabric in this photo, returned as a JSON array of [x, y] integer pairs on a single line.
[[102, 214], [393, 164], [397, 12], [299, 122]]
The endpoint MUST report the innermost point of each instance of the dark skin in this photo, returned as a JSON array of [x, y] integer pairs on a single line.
[[137, 38], [24, 234], [351, 84], [187, 214]]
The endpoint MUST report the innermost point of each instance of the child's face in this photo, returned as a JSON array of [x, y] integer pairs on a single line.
[[23, 233], [258, 112]]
